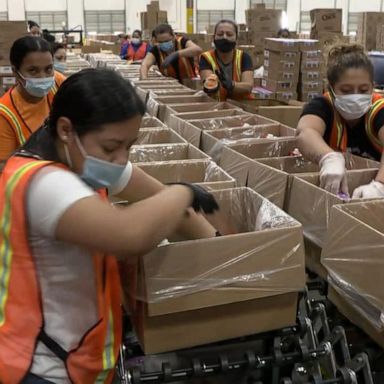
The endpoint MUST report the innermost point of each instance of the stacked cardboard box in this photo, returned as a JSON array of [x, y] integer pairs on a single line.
[[9, 32], [380, 38], [367, 28], [153, 16], [262, 23], [311, 70], [325, 21], [281, 67], [203, 40]]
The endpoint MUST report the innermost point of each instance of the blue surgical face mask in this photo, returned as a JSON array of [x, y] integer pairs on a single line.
[[38, 87], [167, 46], [97, 173], [60, 66]]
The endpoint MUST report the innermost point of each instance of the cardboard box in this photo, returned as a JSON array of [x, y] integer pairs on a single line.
[[151, 122], [9, 32], [353, 256], [158, 136], [265, 20], [216, 287], [367, 28], [282, 45], [312, 55], [172, 109], [162, 81], [309, 45], [281, 75], [237, 158], [326, 19], [179, 120], [162, 90], [273, 109], [311, 205], [273, 56], [283, 65], [260, 93], [311, 86], [165, 152], [286, 96], [257, 38], [213, 142], [193, 129], [331, 38], [310, 95], [310, 76], [279, 85], [156, 106], [312, 65], [354, 315], [8, 81], [6, 70], [203, 172]]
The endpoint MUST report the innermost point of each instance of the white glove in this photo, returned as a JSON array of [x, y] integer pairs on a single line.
[[373, 190], [333, 176]]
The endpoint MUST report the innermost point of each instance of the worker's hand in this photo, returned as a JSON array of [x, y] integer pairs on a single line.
[[333, 176], [225, 82], [202, 200], [373, 190], [170, 59]]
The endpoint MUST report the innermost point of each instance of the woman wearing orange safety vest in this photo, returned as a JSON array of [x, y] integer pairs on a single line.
[[349, 117], [60, 302], [25, 106], [232, 66], [136, 49], [173, 55]]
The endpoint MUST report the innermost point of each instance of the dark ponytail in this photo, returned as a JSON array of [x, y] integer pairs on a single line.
[[89, 99]]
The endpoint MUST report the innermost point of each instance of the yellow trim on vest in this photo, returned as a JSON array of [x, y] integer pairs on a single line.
[[369, 125], [6, 251], [19, 129]]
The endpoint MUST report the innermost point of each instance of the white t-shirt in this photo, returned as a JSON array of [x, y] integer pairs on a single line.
[[65, 271]]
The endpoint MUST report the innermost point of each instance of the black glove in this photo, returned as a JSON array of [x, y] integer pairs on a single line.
[[227, 83], [170, 59], [202, 200]]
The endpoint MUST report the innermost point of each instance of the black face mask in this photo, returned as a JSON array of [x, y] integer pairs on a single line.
[[224, 45]]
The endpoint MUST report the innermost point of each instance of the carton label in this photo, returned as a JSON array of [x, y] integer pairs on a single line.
[[9, 80], [328, 16], [6, 70]]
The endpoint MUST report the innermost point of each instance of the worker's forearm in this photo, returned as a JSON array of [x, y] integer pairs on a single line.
[[195, 227], [190, 52], [312, 145], [241, 88], [144, 72], [380, 173]]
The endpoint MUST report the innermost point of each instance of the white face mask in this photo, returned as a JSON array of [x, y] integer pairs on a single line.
[[352, 107]]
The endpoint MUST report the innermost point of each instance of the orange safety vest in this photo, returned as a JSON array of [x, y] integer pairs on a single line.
[[339, 135], [21, 316], [186, 66], [10, 113], [139, 54], [211, 58]]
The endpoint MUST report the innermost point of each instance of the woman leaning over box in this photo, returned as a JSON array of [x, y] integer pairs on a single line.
[[349, 117], [60, 314]]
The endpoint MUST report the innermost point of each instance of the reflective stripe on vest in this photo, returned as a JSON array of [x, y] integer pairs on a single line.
[[16, 123], [339, 135], [210, 56], [6, 250]]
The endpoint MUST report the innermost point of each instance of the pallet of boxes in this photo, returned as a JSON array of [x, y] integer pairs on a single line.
[[152, 18], [368, 27], [9, 32]]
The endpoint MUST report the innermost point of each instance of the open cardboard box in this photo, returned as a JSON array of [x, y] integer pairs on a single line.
[[165, 152], [311, 205], [212, 142], [272, 177], [157, 105], [238, 158], [164, 81], [191, 293], [353, 256], [178, 121], [158, 136], [193, 129], [273, 109], [151, 122], [172, 109], [203, 172], [145, 92]]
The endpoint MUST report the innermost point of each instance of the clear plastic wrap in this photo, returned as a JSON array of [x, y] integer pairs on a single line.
[[353, 257], [151, 122], [262, 257], [311, 205], [158, 136], [165, 152], [202, 171]]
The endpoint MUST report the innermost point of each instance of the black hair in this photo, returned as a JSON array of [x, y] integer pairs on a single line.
[[89, 99], [57, 46], [227, 21], [137, 31], [47, 36], [32, 24], [281, 31], [163, 28], [21, 47]]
